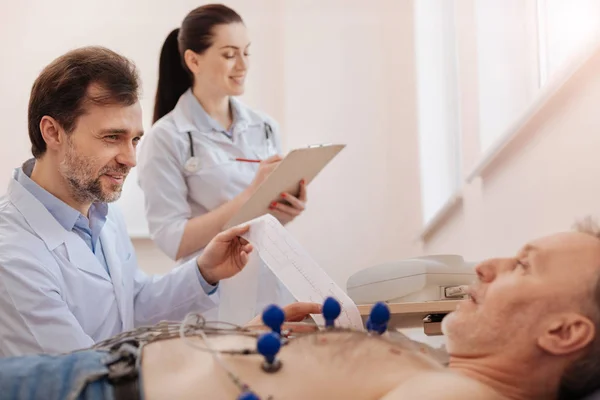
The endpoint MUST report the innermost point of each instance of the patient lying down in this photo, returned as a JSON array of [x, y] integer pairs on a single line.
[[529, 331], [531, 325]]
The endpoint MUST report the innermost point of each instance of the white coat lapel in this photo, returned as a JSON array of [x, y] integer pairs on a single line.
[[52, 233], [82, 257], [108, 237]]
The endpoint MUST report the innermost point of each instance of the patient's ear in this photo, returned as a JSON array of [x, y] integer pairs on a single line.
[[566, 334]]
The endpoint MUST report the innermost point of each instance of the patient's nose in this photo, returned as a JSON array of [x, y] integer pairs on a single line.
[[486, 271]]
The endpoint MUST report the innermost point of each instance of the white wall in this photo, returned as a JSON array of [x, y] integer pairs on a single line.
[[540, 184], [350, 78], [328, 70]]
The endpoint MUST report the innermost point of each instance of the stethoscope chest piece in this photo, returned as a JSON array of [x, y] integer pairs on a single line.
[[192, 164]]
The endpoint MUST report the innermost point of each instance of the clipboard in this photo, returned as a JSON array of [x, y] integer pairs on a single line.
[[303, 163]]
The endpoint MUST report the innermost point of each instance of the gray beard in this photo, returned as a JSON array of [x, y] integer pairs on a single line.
[[84, 183]]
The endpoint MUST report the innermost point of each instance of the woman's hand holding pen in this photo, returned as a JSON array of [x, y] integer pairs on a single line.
[[286, 207], [264, 169]]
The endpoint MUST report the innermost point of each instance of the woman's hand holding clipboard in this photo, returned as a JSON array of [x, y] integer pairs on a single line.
[[280, 181], [287, 206]]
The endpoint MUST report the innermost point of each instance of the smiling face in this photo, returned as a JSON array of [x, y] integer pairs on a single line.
[[534, 300], [97, 155], [222, 68]]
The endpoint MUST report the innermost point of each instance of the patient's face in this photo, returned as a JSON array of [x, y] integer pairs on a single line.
[[515, 297]]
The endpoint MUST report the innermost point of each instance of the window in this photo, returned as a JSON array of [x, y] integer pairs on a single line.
[[507, 64], [567, 28], [437, 103], [519, 47]]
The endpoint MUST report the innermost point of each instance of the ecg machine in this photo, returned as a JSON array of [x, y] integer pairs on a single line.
[[419, 291]]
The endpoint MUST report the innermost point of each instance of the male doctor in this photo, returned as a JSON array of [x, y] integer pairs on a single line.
[[68, 272]]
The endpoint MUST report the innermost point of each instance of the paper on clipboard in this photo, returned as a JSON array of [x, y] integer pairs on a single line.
[[298, 164], [300, 274]]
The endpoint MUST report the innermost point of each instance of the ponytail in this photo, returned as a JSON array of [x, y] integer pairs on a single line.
[[196, 34], [173, 79]]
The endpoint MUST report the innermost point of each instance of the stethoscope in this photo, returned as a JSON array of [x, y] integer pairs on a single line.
[[193, 163]]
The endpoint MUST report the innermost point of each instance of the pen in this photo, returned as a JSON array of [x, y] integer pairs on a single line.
[[245, 160]]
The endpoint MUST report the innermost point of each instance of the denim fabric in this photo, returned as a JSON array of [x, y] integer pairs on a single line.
[[79, 375]]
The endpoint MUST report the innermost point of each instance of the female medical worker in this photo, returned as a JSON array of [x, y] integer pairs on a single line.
[[187, 164]]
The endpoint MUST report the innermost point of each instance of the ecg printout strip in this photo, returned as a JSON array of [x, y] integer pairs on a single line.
[[238, 295], [300, 274]]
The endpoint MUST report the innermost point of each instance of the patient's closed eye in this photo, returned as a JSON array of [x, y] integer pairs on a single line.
[[522, 265]]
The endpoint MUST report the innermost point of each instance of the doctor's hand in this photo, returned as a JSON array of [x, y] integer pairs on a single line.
[[225, 255], [295, 312], [264, 169], [288, 207]]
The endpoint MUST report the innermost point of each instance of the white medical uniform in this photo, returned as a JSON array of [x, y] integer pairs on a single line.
[[56, 296], [174, 194]]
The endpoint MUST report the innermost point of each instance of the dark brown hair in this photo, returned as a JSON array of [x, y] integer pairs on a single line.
[[61, 90], [196, 34]]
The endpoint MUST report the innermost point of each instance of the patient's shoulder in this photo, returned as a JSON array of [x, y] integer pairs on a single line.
[[442, 385]]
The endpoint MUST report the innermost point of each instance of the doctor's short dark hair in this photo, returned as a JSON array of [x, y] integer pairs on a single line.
[[61, 89]]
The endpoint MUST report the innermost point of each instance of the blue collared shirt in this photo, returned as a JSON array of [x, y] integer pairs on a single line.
[[88, 229]]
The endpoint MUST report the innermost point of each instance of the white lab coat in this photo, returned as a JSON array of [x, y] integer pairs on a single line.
[[55, 296], [173, 194]]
